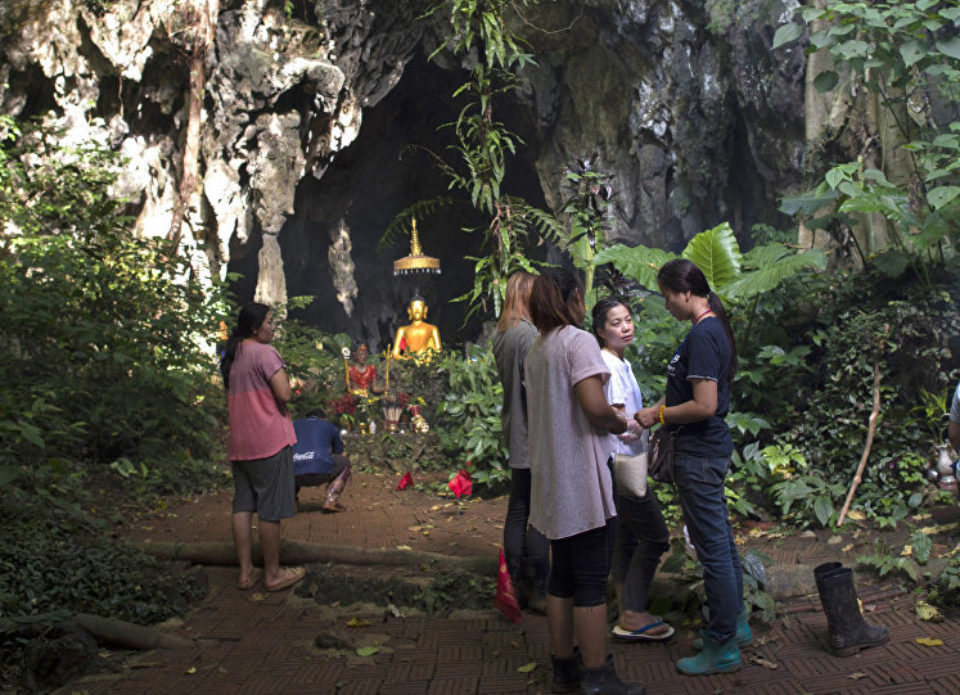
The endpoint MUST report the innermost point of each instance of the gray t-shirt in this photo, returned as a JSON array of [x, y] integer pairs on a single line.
[[571, 490], [510, 348]]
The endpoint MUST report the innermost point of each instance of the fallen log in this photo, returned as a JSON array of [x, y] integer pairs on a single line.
[[118, 633], [299, 553]]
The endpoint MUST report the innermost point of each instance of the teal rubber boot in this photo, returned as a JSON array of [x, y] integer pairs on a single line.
[[716, 657], [744, 633]]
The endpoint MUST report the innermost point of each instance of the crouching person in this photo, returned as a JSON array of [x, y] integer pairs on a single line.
[[318, 458]]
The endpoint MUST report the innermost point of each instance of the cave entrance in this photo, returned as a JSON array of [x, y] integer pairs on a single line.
[[391, 165]]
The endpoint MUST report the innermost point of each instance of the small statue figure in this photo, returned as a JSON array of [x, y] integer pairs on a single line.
[[418, 336], [361, 377], [419, 424]]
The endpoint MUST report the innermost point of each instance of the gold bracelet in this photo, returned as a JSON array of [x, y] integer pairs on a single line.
[[660, 414]]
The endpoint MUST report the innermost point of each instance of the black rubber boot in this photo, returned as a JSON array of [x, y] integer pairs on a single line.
[[605, 681], [821, 571], [566, 674], [849, 632]]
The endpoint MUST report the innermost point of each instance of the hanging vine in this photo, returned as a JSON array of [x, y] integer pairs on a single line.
[[481, 35]]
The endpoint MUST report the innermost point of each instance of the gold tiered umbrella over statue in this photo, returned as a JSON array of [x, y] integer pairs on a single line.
[[416, 262], [418, 336]]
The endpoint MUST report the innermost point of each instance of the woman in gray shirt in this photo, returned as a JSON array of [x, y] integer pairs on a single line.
[[527, 550]]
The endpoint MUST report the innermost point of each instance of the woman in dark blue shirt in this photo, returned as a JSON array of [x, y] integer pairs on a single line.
[[696, 401]]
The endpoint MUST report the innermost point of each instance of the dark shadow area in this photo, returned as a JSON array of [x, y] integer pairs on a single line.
[[391, 165]]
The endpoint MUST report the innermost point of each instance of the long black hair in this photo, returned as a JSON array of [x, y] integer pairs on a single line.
[[250, 318], [681, 275], [599, 315]]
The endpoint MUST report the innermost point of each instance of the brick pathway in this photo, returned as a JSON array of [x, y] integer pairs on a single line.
[[265, 643]]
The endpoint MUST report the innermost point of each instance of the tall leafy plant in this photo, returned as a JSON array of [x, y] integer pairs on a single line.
[[481, 35], [906, 56], [470, 415]]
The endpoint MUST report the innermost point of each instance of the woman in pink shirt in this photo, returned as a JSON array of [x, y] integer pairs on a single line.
[[261, 441], [571, 496]]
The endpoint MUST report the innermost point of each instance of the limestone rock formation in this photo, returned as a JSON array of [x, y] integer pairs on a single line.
[[310, 115]]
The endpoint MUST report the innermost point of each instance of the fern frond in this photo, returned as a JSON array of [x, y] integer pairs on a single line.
[[422, 209]]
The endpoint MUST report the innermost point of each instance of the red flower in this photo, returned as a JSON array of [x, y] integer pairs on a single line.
[[461, 484]]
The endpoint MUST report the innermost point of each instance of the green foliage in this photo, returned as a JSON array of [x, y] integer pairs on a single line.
[[907, 54], [717, 253], [731, 275], [470, 416], [793, 481], [587, 208], [316, 359], [104, 340], [109, 381], [734, 276], [82, 568], [481, 36], [945, 591], [683, 562], [909, 339], [885, 560]]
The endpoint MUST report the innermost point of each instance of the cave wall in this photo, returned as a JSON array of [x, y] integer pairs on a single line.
[[317, 124]]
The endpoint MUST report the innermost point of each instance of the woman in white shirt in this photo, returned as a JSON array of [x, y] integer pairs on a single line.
[[642, 536]]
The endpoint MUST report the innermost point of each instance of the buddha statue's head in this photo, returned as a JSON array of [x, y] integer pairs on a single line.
[[417, 311]]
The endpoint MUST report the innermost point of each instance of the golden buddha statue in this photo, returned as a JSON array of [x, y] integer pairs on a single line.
[[418, 336]]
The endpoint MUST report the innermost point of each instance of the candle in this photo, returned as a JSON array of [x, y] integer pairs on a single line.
[[346, 366], [387, 376]]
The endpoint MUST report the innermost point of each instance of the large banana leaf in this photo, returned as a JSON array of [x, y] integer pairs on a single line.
[[639, 262], [717, 254], [810, 202], [769, 266]]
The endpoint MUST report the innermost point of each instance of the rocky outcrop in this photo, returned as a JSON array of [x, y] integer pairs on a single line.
[[683, 101], [309, 116]]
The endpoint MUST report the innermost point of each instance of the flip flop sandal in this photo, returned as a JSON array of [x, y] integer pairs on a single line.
[[640, 634], [294, 575], [333, 507]]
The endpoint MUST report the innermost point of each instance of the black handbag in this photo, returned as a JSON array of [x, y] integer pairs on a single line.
[[660, 460]]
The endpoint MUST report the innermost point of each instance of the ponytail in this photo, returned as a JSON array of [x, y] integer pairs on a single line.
[[717, 306], [251, 317], [682, 275]]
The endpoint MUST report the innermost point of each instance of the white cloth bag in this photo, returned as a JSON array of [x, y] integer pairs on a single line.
[[631, 474]]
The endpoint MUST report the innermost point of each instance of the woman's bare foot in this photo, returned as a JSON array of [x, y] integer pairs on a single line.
[[247, 582], [631, 620]]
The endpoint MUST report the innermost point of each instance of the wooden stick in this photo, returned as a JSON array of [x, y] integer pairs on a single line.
[[871, 429]]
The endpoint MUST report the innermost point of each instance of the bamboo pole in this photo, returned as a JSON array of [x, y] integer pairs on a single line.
[[871, 429]]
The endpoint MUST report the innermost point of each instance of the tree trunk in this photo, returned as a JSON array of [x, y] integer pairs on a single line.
[[206, 12]]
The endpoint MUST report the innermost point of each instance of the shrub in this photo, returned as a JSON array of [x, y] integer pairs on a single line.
[[104, 338]]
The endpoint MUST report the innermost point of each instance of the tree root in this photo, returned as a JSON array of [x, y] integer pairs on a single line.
[[118, 633], [297, 553]]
